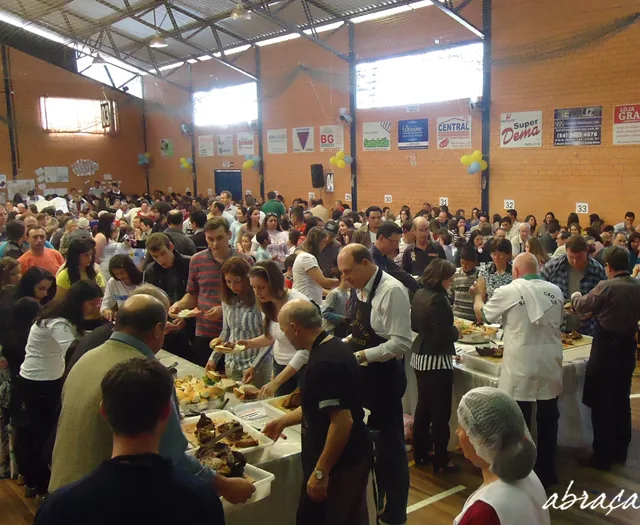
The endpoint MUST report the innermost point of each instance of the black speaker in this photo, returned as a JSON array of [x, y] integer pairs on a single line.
[[317, 176]]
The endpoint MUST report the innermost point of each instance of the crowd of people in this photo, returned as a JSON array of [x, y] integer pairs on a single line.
[[304, 288]]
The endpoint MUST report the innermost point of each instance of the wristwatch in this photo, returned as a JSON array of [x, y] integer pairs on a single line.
[[318, 474]]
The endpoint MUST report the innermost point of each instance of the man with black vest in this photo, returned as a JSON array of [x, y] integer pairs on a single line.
[[380, 337], [385, 249]]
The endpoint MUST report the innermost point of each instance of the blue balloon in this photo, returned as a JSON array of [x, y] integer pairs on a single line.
[[474, 168], [141, 162], [470, 170], [190, 162], [348, 159], [255, 158], [248, 157]]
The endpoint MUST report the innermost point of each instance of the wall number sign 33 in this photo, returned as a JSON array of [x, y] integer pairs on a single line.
[[582, 207]]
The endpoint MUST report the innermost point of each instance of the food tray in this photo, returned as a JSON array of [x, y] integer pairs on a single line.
[[585, 340], [488, 365], [274, 406], [276, 402], [261, 480], [253, 454]]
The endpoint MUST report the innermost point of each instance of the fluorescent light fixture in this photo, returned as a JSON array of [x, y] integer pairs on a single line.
[[326, 27], [232, 51], [240, 13], [192, 61], [170, 66], [204, 58], [158, 42], [278, 39], [391, 11]]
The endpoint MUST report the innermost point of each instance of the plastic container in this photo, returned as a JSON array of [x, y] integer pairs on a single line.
[[253, 454]]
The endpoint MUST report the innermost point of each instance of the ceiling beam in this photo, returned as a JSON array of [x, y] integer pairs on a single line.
[[121, 14], [458, 18], [50, 9], [292, 28], [205, 23]]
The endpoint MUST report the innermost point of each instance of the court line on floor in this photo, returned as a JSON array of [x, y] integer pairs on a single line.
[[434, 498]]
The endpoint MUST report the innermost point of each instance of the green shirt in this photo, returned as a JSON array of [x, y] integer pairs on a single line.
[[274, 206]]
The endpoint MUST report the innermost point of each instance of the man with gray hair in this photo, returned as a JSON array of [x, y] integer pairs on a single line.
[[519, 242], [531, 312], [336, 451]]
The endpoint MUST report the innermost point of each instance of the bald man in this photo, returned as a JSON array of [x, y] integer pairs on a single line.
[[381, 337], [417, 257], [530, 309], [84, 439], [336, 454]]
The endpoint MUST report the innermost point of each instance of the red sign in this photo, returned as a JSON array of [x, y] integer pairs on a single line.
[[627, 114]]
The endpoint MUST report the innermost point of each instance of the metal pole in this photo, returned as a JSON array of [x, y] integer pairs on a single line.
[[352, 111], [260, 129], [10, 115], [486, 102], [193, 134], [144, 136]]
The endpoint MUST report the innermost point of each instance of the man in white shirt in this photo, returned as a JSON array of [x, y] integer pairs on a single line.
[[627, 225], [531, 312], [319, 210], [374, 219], [381, 336], [519, 241], [227, 199], [33, 198], [515, 223], [216, 209]]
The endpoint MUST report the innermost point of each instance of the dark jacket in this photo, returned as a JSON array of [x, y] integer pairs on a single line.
[[389, 266], [160, 277], [14, 250], [200, 240], [432, 319], [183, 244]]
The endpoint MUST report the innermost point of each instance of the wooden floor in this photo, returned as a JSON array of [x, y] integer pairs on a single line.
[[437, 500]]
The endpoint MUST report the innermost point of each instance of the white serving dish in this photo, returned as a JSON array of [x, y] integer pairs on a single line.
[[262, 481], [471, 359], [253, 454]]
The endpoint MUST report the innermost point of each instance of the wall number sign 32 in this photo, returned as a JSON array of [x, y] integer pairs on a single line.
[[509, 204], [582, 207]]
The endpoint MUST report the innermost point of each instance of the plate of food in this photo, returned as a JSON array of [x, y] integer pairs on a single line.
[[204, 429], [188, 314], [246, 392], [287, 403], [226, 348], [198, 393]]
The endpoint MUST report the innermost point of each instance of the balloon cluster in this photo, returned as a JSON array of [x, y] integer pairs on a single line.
[[474, 162], [186, 163], [251, 161], [143, 158], [340, 160]]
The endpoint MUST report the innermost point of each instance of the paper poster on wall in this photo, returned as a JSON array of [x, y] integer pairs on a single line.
[[39, 172], [42, 186], [626, 124], [166, 147], [454, 132], [577, 126], [107, 176], [224, 145], [205, 146], [376, 136], [50, 174], [276, 141], [331, 139], [329, 187], [303, 140], [521, 130], [245, 143], [63, 173], [3, 182], [413, 134]]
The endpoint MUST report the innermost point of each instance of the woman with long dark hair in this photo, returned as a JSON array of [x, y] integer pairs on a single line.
[[106, 242], [533, 224], [125, 278], [40, 381], [10, 272], [432, 360], [251, 227], [345, 231], [241, 320], [548, 217], [80, 266], [267, 282], [277, 249], [38, 283], [308, 278]]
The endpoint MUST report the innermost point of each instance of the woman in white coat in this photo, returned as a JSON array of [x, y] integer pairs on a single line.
[[494, 437]]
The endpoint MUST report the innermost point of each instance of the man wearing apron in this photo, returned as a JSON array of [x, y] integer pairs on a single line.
[[615, 304], [380, 337]]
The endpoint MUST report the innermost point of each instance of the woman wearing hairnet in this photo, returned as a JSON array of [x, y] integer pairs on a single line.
[[494, 437]]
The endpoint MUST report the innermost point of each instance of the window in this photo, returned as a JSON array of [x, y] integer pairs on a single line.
[[436, 76], [74, 115], [224, 106]]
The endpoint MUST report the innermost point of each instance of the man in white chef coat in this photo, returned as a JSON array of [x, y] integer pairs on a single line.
[[531, 312]]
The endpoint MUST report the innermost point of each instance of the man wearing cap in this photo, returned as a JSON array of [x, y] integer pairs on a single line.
[[328, 259]]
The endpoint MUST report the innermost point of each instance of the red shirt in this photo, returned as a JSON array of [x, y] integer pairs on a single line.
[[50, 260], [480, 513]]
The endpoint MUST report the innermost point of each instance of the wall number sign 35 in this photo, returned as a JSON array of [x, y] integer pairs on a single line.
[[582, 207]]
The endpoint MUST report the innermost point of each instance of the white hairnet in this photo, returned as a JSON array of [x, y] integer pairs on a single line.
[[497, 430]]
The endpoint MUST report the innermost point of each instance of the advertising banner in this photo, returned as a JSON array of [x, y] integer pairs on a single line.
[[376, 136], [454, 132], [577, 126], [521, 130], [413, 134]]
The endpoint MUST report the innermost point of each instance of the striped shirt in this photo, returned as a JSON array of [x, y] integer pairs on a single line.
[[462, 299], [424, 362], [204, 282], [240, 322]]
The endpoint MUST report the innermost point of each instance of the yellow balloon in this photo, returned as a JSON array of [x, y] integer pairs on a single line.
[[183, 160], [476, 156], [340, 155], [333, 161], [147, 155], [465, 160], [341, 163], [483, 165], [248, 164]]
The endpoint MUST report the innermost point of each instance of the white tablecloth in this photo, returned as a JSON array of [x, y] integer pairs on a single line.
[[574, 427]]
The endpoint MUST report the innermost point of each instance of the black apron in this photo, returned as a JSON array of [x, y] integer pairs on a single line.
[[612, 360], [381, 381]]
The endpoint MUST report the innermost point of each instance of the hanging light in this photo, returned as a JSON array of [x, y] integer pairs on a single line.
[[98, 60], [158, 42], [240, 13]]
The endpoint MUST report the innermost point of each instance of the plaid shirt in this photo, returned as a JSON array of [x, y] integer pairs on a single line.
[[556, 271]]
